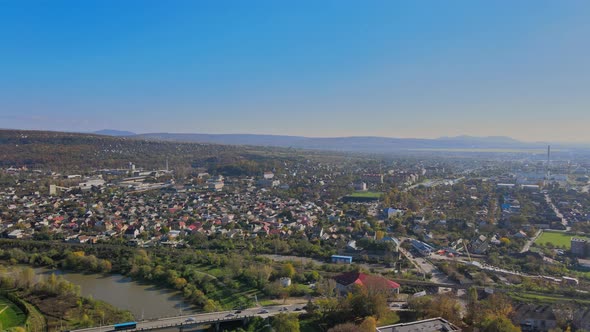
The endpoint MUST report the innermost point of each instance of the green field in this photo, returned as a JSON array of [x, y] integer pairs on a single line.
[[558, 239], [10, 314], [543, 299], [368, 194]]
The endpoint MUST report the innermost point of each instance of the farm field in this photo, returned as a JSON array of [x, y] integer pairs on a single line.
[[558, 239], [10, 314]]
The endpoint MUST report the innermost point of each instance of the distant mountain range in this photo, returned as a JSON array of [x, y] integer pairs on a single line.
[[485, 140], [352, 144], [111, 132]]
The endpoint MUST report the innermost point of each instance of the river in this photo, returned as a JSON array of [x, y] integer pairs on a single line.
[[144, 301]]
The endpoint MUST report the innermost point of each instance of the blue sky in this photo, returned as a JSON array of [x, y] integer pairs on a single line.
[[313, 68]]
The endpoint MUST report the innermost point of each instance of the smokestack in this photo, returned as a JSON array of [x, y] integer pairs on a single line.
[[548, 161]]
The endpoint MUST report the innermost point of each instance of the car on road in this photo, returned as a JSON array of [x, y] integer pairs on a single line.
[[230, 315], [284, 309], [298, 309], [238, 312], [190, 319], [263, 311]]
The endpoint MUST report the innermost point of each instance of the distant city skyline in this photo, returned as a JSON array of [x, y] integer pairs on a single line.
[[318, 69]]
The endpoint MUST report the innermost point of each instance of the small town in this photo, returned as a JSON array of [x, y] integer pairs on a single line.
[[425, 229]]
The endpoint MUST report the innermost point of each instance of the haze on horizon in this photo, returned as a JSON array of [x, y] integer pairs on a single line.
[[322, 69]]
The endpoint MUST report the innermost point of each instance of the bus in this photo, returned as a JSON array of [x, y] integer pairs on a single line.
[[125, 326]]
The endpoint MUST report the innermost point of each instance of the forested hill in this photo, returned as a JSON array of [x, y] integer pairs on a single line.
[[59, 151], [367, 144]]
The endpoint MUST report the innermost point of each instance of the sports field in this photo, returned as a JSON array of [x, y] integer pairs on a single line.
[[10, 314], [558, 239], [368, 194]]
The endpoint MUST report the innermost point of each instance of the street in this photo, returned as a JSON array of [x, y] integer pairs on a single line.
[[206, 318]]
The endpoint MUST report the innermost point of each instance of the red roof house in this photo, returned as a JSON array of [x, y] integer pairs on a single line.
[[347, 281]]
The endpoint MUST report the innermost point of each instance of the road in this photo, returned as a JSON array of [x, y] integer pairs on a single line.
[[425, 266], [481, 266], [206, 318], [530, 242], [557, 213]]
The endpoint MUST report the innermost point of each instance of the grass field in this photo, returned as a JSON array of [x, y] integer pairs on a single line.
[[558, 239], [368, 194], [10, 314], [543, 299]]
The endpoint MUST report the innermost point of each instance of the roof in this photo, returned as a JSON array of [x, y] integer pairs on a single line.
[[391, 239], [426, 325], [339, 256], [538, 312], [421, 245], [366, 280]]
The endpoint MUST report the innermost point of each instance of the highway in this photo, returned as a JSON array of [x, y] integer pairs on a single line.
[[205, 318]]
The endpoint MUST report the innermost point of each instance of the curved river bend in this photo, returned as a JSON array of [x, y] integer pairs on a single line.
[[144, 301]]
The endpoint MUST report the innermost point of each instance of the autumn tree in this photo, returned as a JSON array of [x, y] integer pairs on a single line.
[[288, 270], [285, 322], [491, 313], [498, 323], [368, 325], [498, 305], [364, 302], [441, 305], [472, 306], [344, 327], [27, 277]]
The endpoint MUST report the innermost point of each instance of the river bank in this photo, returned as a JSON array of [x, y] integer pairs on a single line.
[[52, 303]]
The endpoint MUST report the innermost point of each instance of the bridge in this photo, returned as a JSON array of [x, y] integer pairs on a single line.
[[212, 318]]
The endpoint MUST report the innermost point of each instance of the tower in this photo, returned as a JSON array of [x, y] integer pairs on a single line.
[[548, 170]]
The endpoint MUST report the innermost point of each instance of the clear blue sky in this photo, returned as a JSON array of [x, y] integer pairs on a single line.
[[314, 68]]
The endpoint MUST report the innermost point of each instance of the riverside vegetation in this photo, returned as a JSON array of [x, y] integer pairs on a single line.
[[53, 303]]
